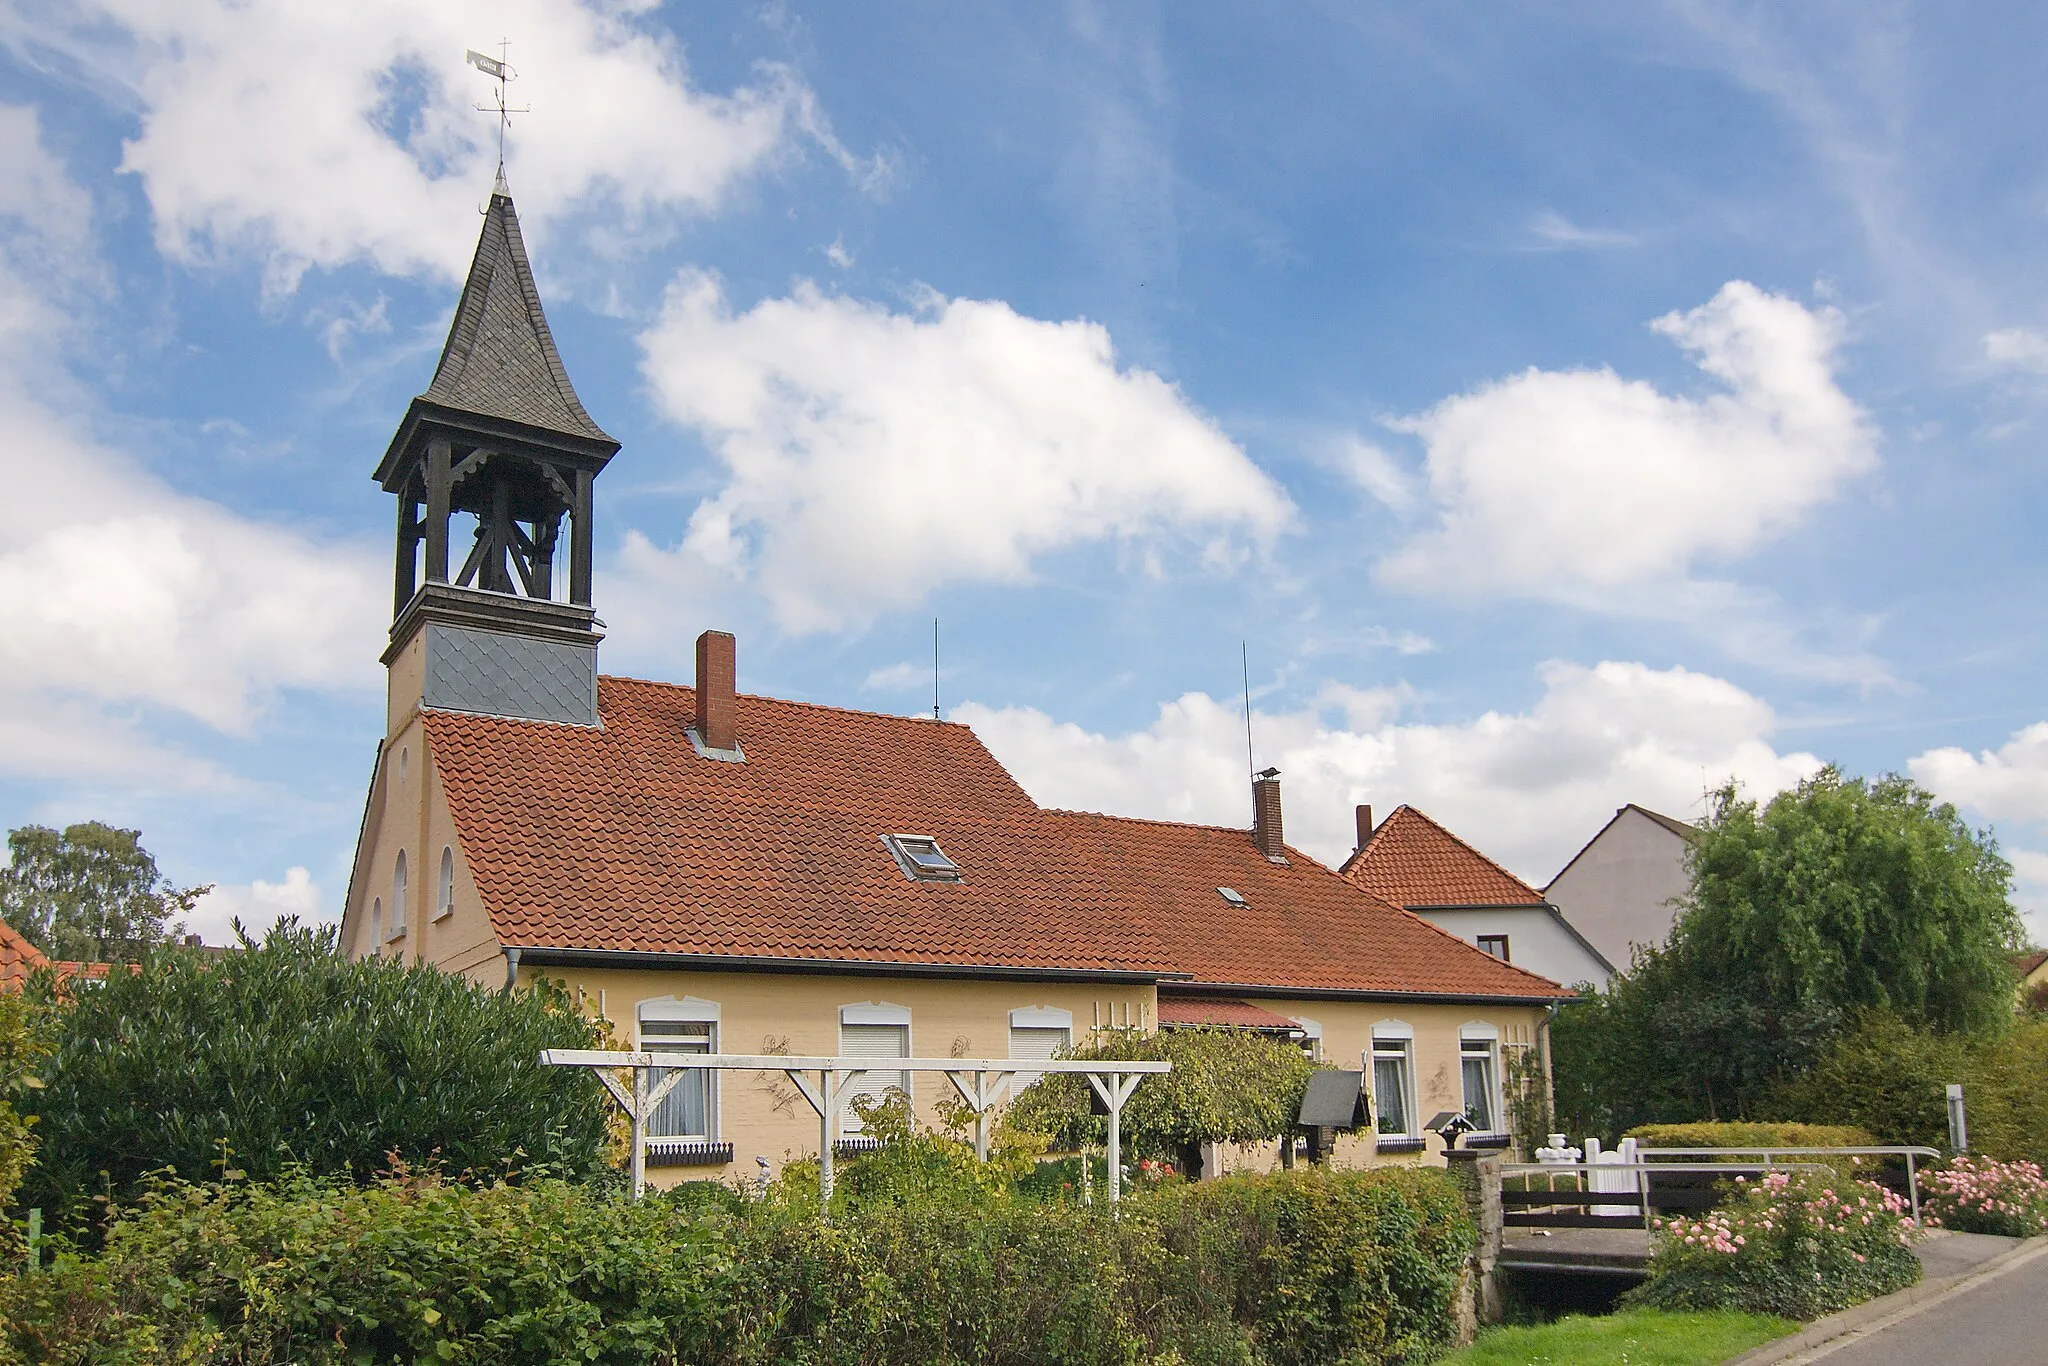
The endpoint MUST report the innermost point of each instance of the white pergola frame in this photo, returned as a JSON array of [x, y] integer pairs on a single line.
[[981, 1082]]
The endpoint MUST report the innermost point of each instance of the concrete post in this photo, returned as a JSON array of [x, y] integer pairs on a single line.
[[1478, 1176]]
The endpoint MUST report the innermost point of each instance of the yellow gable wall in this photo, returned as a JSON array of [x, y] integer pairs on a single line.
[[762, 1115]]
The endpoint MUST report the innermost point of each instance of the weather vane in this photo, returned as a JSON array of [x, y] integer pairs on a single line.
[[501, 71]]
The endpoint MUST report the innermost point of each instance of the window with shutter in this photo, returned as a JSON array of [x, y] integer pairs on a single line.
[[872, 1041]]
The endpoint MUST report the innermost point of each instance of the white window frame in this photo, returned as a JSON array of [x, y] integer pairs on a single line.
[[444, 892], [395, 927], [1488, 1036], [898, 846], [376, 925], [686, 1010], [873, 1013], [1398, 1036], [1311, 1036]]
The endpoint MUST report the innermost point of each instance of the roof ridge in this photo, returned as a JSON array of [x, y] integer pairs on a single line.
[[1148, 820], [1454, 838], [787, 701]]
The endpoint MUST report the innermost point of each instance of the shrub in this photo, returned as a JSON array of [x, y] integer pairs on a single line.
[[1795, 1244], [285, 1053], [1299, 1267], [2006, 1094], [1983, 1195], [1226, 1086], [1886, 1076], [1745, 1135]]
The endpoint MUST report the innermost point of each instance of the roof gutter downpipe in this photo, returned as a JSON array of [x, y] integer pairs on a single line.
[[511, 968]]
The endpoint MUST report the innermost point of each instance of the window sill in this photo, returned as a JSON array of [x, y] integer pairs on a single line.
[[441, 915], [1394, 1143], [853, 1147], [687, 1152], [1488, 1142]]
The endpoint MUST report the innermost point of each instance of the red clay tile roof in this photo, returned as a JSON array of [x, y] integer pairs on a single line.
[[624, 838], [18, 958], [2028, 961], [1218, 1010], [1302, 925], [1412, 861]]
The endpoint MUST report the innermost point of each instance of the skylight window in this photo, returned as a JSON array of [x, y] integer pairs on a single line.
[[921, 859], [1233, 896]]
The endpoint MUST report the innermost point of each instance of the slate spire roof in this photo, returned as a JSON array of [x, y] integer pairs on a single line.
[[500, 359]]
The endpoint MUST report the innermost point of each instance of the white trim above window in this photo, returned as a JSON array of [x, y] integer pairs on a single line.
[[874, 1012], [1041, 1017], [684, 1008], [1478, 1029], [1393, 1029]]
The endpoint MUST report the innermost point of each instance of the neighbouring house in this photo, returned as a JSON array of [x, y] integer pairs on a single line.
[[2031, 968], [19, 959], [1624, 888], [1416, 863], [712, 871]]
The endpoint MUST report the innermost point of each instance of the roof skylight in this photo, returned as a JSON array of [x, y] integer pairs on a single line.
[[921, 859], [1233, 896]]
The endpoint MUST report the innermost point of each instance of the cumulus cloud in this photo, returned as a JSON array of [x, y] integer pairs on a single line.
[[258, 905], [872, 455], [2021, 348], [1527, 787], [117, 591], [1589, 488], [323, 134], [2007, 785]]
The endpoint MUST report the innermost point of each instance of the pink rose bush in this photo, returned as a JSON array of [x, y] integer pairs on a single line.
[[1980, 1195], [1798, 1244]]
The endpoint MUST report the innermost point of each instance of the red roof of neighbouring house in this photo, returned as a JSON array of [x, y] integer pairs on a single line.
[[1221, 1012], [1412, 861], [2027, 962], [18, 958], [625, 838]]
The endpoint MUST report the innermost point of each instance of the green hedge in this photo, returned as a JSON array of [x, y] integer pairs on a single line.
[[1744, 1135], [1293, 1268]]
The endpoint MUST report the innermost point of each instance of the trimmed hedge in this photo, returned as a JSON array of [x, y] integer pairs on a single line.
[[1742, 1135], [1286, 1269]]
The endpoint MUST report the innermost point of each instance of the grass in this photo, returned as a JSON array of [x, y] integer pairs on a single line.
[[1638, 1337]]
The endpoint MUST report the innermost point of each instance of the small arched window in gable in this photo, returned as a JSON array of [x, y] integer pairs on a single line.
[[398, 896], [376, 923], [444, 893]]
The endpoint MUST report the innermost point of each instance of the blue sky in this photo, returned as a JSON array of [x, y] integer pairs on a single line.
[[1564, 405]]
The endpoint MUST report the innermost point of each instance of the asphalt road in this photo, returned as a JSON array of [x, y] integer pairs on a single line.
[[2003, 1320]]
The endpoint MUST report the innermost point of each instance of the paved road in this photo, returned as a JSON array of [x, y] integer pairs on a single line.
[[2003, 1320]]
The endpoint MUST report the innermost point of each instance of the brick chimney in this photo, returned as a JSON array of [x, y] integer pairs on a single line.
[[717, 675], [1267, 835], [1364, 825]]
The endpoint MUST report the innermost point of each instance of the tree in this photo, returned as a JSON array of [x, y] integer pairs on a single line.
[[1226, 1086], [90, 892], [285, 1053], [1837, 898]]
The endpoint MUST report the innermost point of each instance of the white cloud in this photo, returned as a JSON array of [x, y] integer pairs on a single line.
[[1378, 473], [1554, 232], [1528, 788], [258, 905], [1400, 642], [322, 134], [873, 455], [2008, 785], [2021, 348], [899, 677], [115, 590], [1588, 488]]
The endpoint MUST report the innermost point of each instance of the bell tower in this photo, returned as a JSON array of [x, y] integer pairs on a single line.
[[501, 438]]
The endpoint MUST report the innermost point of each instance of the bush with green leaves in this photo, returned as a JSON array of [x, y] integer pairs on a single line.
[[1886, 1076], [1226, 1086], [1983, 1195], [1283, 1270], [1795, 1244], [285, 1053]]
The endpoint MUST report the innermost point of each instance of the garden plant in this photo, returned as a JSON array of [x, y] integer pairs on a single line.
[[1983, 1195], [1794, 1244]]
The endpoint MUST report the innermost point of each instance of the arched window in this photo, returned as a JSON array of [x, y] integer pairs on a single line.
[[398, 896], [1479, 1070], [1393, 1078], [376, 923], [444, 895]]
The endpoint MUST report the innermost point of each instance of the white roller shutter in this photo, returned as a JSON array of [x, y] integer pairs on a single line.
[[1034, 1043], [872, 1041]]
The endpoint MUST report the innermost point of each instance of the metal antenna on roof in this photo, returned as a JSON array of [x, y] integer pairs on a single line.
[[501, 71], [935, 668], [1245, 661]]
